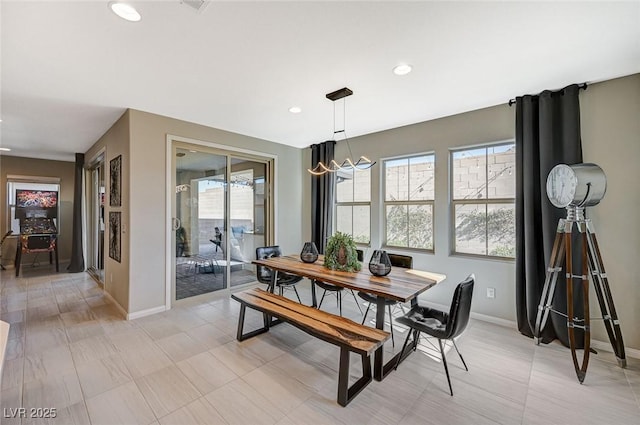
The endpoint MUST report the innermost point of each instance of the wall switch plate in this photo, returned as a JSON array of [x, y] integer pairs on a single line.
[[491, 292]]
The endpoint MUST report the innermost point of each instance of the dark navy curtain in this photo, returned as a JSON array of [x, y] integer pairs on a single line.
[[547, 134], [322, 195]]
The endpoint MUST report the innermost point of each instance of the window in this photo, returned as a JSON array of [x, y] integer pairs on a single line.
[[483, 196], [353, 204], [408, 201]]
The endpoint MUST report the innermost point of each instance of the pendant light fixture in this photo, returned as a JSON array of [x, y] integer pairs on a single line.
[[362, 163]]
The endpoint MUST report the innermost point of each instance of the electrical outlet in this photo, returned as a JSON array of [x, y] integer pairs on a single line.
[[491, 292]]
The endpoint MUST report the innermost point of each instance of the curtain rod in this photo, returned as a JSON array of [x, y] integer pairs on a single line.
[[582, 86]]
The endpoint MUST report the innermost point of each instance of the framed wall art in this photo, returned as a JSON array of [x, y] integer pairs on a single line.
[[115, 231], [115, 187]]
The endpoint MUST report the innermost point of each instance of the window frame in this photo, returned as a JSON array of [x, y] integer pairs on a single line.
[[352, 204], [384, 203], [13, 180], [486, 202]]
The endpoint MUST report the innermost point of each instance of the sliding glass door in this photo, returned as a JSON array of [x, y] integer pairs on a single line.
[[247, 217], [95, 245], [220, 214]]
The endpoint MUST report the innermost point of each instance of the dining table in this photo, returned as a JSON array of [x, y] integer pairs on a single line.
[[401, 285]]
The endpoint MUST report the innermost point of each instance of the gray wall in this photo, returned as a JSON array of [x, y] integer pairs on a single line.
[[147, 225], [115, 142], [610, 114]]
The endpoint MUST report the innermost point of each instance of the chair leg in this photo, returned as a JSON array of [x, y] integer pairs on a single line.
[[339, 297], [322, 299], [402, 351], [296, 291], [446, 368], [280, 290], [463, 362], [364, 319], [356, 299], [393, 341], [416, 339]]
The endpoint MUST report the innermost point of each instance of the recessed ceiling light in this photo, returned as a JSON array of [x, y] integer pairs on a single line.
[[125, 11], [5, 149], [402, 69], [295, 109]]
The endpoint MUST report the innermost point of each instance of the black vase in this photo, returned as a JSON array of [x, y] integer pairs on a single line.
[[380, 265], [309, 253]]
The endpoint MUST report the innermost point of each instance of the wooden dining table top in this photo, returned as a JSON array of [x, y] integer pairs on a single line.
[[400, 285]]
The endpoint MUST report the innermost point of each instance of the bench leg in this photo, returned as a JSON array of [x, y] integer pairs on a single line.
[[347, 393], [242, 336]]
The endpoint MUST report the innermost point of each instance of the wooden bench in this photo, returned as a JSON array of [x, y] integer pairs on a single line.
[[346, 334]]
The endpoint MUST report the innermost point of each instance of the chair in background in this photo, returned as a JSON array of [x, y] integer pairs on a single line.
[[217, 239], [338, 289], [440, 324], [397, 260], [264, 274]]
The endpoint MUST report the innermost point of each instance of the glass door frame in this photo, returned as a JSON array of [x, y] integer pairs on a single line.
[[93, 216], [270, 161]]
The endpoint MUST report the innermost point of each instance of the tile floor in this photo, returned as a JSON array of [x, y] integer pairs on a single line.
[[69, 350]]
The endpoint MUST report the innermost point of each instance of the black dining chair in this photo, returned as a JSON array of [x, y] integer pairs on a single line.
[[327, 287], [264, 274], [397, 260], [440, 324]]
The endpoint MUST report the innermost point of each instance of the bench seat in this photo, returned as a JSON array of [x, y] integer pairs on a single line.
[[345, 333]]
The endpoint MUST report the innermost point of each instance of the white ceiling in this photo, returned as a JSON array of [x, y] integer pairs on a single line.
[[70, 69]]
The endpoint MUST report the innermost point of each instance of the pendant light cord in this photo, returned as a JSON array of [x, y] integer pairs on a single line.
[[344, 124]]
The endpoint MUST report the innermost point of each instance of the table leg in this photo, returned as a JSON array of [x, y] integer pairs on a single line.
[[378, 361], [314, 300], [18, 259], [380, 368], [274, 278], [271, 288]]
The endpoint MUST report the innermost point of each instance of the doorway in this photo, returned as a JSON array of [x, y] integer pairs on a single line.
[[95, 263], [221, 212]]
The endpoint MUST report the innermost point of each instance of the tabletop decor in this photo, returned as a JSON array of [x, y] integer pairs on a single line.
[[380, 264], [341, 253], [309, 252]]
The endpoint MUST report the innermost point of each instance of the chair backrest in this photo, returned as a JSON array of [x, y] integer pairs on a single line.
[[460, 307], [404, 261], [264, 273]]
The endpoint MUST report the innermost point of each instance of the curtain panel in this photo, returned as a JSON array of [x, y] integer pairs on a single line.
[[322, 195], [547, 134], [77, 258]]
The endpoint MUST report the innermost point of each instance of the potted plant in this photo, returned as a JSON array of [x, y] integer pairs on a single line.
[[340, 253]]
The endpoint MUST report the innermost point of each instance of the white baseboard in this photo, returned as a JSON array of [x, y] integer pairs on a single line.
[[478, 316], [598, 345], [606, 346], [147, 312], [495, 320]]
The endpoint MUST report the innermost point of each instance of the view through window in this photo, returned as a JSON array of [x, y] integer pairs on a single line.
[[353, 204], [483, 197], [408, 203]]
